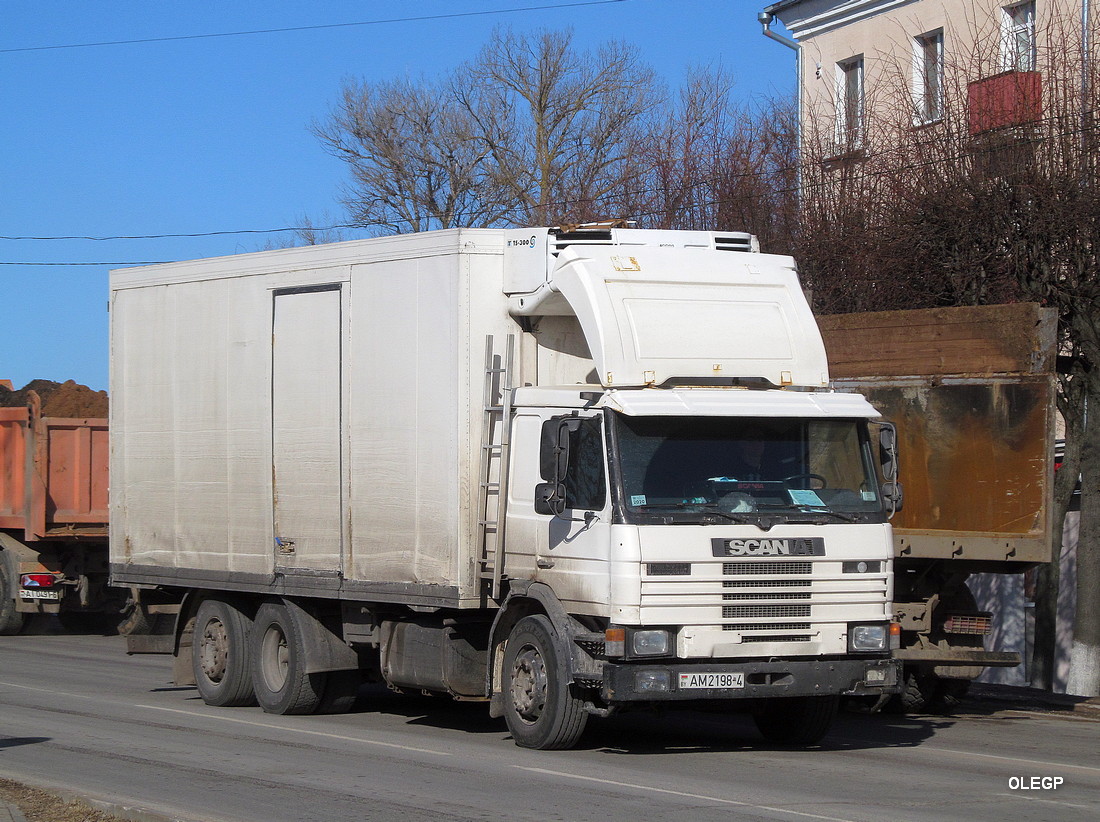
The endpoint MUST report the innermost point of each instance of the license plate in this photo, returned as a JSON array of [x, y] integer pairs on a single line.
[[38, 593], [704, 679]]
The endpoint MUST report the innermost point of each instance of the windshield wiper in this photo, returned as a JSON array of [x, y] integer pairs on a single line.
[[738, 518], [703, 509], [805, 514], [843, 517]]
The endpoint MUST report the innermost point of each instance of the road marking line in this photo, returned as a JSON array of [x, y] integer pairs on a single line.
[[1048, 801], [684, 794], [1017, 759], [270, 726], [926, 749]]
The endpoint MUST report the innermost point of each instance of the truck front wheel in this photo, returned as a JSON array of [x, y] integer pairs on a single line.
[[799, 720], [539, 706], [219, 655]]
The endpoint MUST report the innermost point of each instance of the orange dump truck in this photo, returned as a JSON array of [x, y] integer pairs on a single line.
[[53, 517]]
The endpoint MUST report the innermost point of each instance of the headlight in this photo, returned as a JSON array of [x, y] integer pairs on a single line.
[[866, 638], [649, 643]]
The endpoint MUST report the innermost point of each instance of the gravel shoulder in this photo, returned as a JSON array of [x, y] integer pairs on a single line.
[[35, 805]]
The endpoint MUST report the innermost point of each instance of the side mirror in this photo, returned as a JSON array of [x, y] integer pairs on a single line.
[[554, 446], [892, 493], [550, 498], [888, 451]]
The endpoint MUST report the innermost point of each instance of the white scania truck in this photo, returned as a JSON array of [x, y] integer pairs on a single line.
[[565, 471]]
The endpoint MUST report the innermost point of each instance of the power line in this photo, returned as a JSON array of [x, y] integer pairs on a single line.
[[687, 206], [419, 19]]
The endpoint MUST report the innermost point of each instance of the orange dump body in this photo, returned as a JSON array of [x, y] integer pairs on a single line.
[[972, 392], [53, 475]]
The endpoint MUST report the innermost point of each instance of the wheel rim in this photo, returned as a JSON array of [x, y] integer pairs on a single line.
[[529, 684], [214, 650], [275, 658]]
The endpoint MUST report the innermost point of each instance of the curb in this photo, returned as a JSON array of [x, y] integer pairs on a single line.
[[121, 809]]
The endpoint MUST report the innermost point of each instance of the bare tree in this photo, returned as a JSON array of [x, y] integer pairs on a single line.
[[532, 132], [718, 164], [561, 125], [416, 160], [306, 232]]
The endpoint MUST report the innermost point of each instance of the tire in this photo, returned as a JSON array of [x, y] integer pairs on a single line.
[[220, 657], [928, 693], [278, 668], [11, 620], [540, 707], [799, 720], [916, 696]]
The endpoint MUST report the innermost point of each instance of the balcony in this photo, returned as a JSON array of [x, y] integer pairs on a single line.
[[1014, 98]]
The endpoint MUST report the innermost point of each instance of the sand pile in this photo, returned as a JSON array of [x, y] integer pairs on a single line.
[[59, 399]]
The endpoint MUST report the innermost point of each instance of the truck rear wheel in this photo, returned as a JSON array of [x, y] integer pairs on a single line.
[[799, 720], [11, 620], [278, 666], [539, 706], [219, 655]]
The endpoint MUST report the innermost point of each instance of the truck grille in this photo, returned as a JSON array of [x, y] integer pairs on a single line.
[[771, 595], [769, 568], [764, 612], [767, 583], [761, 600]]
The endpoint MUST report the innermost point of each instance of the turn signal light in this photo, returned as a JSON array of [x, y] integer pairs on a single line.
[[895, 635], [614, 642]]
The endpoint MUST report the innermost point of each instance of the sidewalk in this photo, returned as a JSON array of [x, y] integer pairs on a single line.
[[1015, 698], [10, 813]]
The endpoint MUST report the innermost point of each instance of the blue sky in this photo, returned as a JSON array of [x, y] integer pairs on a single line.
[[211, 134]]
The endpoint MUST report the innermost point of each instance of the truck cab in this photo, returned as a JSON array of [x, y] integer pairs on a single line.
[[713, 519]]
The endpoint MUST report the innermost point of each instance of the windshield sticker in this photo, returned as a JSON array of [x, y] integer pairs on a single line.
[[868, 496], [807, 498], [637, 499]]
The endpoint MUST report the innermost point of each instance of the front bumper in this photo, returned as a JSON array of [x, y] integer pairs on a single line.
[[844, 677]]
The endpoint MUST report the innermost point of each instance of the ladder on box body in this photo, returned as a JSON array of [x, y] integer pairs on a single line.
[[493, 480]]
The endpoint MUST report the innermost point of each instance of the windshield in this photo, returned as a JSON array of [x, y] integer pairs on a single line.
[[743, 468]]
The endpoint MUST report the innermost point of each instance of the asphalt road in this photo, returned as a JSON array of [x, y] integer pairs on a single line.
[[77, 713]]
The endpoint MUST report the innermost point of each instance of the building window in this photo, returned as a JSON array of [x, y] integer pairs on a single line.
[[928, 77], [849, 112], [1018, 48]]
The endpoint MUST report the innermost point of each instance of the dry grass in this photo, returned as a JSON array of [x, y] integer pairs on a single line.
[[42, 806]]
